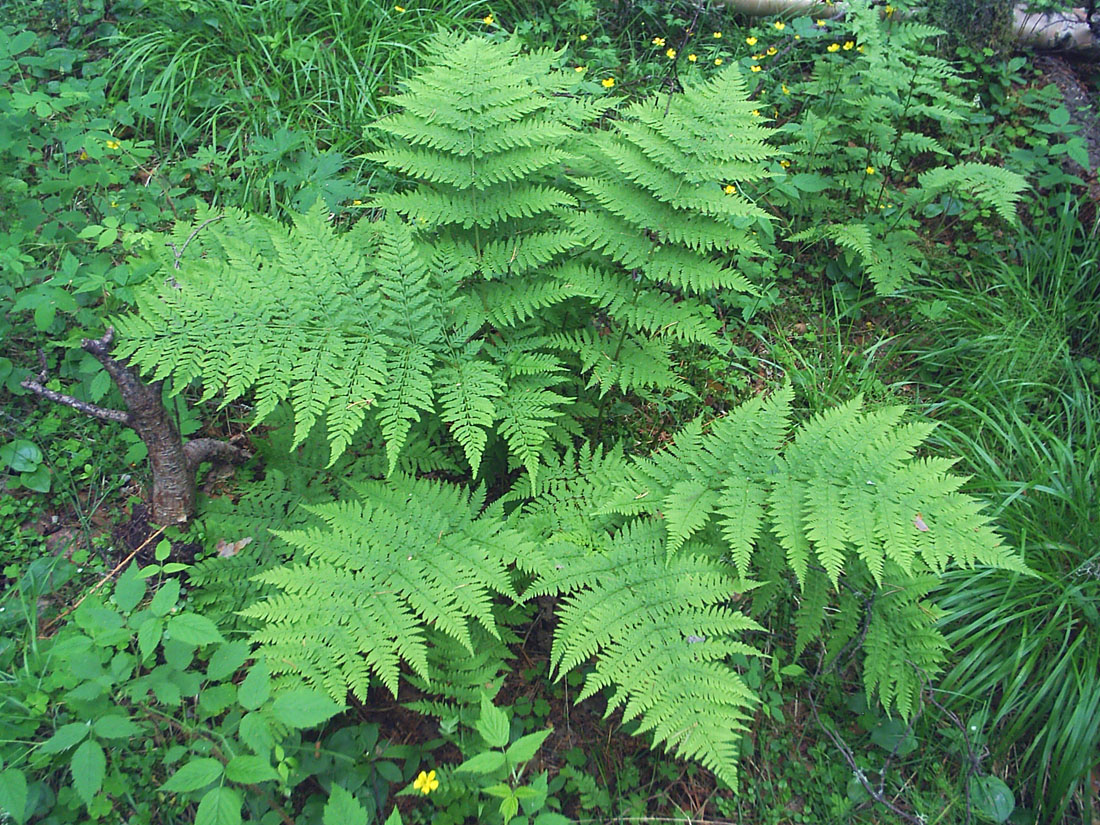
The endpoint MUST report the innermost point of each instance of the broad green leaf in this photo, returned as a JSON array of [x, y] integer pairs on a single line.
[[21, 456], [343, 808], [148, 637], [493, 723], [394, 818], [13, 794], [220, 806], [130, 589], [66, 736], [193, 629], [166, 598], [88, 765], [198, 773], [992, 798], [527, 746], [250, 770], [256, 686], [304, 708], [482, 763], [226, 659], [116, 726], [255, 733]]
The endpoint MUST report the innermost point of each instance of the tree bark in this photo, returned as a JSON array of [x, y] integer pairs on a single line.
[[173, 463]]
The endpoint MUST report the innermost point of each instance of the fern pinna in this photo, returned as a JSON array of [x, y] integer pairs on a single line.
[[663, 204]]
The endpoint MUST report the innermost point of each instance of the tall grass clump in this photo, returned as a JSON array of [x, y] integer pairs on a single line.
[[1014, 398], [220, 73]]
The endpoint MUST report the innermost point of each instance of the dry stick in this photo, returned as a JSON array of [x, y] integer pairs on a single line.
[[875, 793], [179, 252], [101, 582]]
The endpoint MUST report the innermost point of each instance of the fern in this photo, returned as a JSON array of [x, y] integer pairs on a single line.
[[402, 555], [991, 186]]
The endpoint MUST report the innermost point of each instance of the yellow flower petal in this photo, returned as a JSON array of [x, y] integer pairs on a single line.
[[780, 25], [580, 69], [751, 41], [658, 41], [870, 170], [729, 189], [607, 82], [692, 58], [718, 35], [399, 9], [755, 68], [849, 45], [717, 61], [671, 54], [784, 89], [833, 47], [583, 37], [488, 19], [820, 23], [772, 51]]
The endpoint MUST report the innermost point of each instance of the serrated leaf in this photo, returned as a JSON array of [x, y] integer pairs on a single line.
[[249, 770], [493, 723], [165, 598], [256, 686], [66, 736], [89, 764], [255, 733], [116, 726], [483, 763], [226, 659], [13, 794], [220, 806], [343, 808], [527, 746], [193, 629], [304, 708], [198, 773]]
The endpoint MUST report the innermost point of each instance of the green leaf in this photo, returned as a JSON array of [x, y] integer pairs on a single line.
[[992, 798], [551, 818], [256, 686], [220, 806], [66, 736], [527, 746], [894, 736], [493, 723], [88, 765], [482, 763], [343, 808], [226, 659], [13, 794], [809, 182], [255, 733], [249, 769], [148, 637], [304, 708], [21, 456], [193, 629], [116, 726], [130, 589], [37, 479], [166, 598], [394, 818], [1059, 116], [198, 773], [388, 770], [501, 790]]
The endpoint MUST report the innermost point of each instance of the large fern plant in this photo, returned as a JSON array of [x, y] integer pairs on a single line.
[[468, 315]]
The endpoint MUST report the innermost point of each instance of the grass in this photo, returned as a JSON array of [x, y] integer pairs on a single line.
[[1005, 380]]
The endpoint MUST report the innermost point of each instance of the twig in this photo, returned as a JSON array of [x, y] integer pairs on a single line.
[[875, 793], [101, 582], [179, 252]]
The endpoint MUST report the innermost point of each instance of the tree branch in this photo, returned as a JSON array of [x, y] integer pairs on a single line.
[[85, 407]]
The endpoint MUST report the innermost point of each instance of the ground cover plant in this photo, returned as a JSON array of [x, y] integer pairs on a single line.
[[618, 380]]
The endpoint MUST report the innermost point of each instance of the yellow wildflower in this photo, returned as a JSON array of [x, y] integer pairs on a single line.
[[671, 54], [798, 37], [718, 35], [780, 25], [751, 41], [785, 163], [607, 82], [399, 9], [114, 204], [859, 49], [717, 61], [758, 56], [580, 69], [889, 10], [784, 89], [849, 45], [754, 68], [583, 37], [112, 144], [772, 51], [833, 47], [692, 58], [426, 782], [356, 203], [756, 113], [488, 21], [658, 41], [870, 170], [83, 155], [729, 189], [820, 23]]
